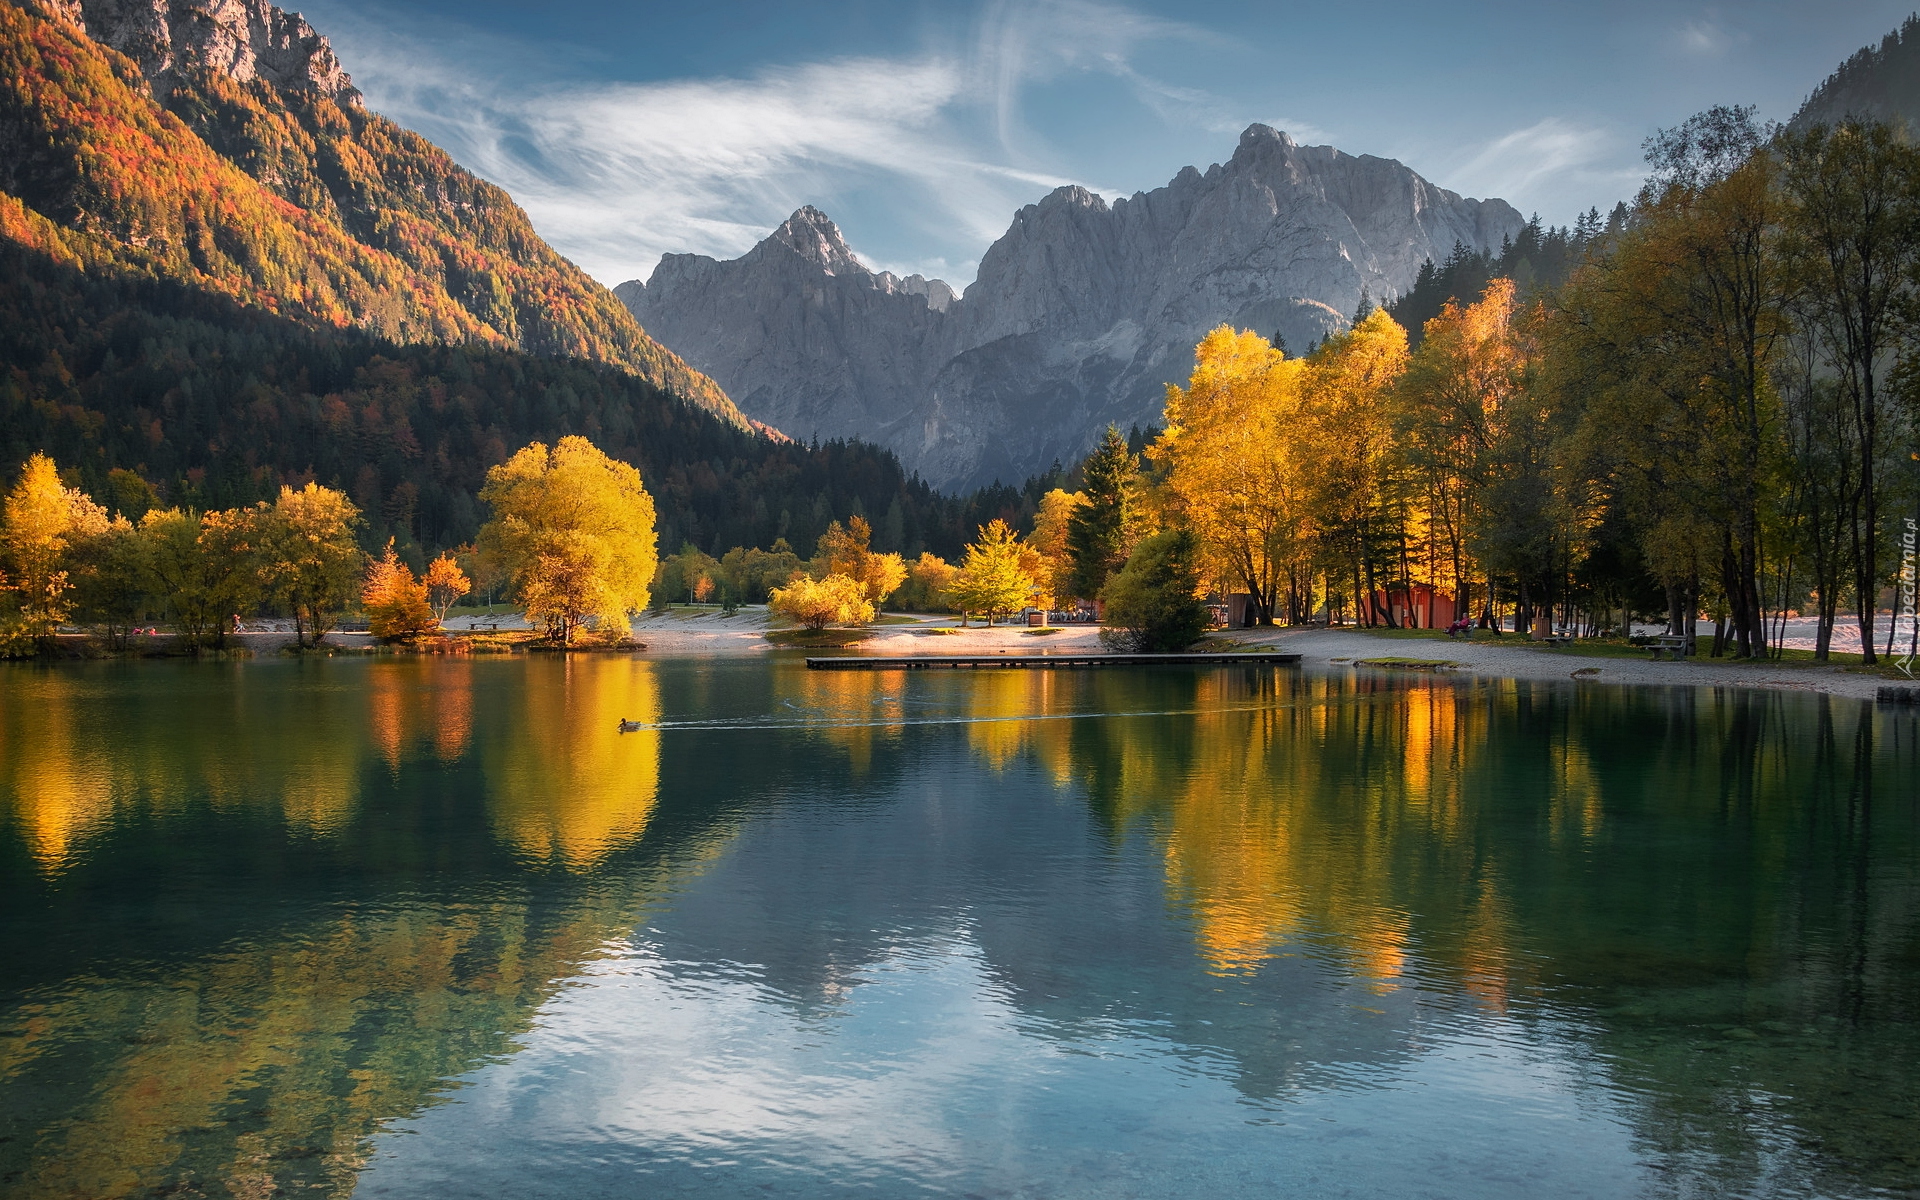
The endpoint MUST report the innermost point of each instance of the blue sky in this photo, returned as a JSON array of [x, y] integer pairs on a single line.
[[631, 130]]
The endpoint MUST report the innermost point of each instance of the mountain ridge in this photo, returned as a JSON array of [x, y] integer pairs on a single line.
[[220, 142], [1080, 313]]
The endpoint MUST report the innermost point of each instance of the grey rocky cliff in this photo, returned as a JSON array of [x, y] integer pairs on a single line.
[[244, 39], [1080, 315]]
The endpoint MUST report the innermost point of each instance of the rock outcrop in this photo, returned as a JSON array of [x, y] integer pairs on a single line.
[[242, 39], [1081, 313]]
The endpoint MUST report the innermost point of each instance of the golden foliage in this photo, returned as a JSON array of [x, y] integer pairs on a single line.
[[929, 580], [996, 576], [396, 603], [845, 552], [446, 583], [43, 519], [1238, 471], [567, 786], [574, 531], [310, 559], [818, 603]]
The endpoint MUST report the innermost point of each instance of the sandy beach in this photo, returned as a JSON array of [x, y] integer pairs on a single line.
[[1508, 657], [742, 633]]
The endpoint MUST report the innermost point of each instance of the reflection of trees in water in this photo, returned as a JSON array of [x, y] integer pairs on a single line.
[[1693, 873], [80, 750], [233, 1053], [1710, 893], [564, 785]]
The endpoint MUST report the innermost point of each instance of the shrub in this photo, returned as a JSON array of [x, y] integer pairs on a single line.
[[818, 603], [1151, 602]]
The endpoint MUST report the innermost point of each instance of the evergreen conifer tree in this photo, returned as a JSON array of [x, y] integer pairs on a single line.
[[1097, 531]]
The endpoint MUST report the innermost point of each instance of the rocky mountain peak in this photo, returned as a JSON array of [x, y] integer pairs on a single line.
[[938, 294], [243, 39], [812, 235], [1073, 196], [1080, 314], [1256, 133]]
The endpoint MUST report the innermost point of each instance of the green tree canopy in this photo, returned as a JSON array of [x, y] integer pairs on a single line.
[[1151, 602]]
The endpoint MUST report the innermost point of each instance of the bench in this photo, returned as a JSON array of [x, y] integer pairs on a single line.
[[1671, 645], [1557, 639]]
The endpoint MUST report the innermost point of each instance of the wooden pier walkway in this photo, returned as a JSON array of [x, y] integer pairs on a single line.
[[1043, 662]]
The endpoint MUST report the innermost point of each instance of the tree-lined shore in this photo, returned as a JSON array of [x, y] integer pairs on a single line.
[[1713, 414], [1703, 405]]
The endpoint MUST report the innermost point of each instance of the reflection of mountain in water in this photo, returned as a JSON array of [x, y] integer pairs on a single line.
[[1686, 878], [283, 905]]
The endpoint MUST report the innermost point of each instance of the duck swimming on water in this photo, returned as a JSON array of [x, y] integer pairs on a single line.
[[627, 726]]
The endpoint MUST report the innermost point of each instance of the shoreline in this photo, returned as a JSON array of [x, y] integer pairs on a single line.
[[713, 634]]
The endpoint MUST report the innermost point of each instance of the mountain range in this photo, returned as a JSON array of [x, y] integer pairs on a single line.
[[219, 274], [1081, 312]]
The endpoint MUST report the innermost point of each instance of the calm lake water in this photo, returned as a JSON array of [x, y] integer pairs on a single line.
[[433, 928]]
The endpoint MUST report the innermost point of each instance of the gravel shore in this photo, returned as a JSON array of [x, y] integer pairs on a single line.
[[742, 634]]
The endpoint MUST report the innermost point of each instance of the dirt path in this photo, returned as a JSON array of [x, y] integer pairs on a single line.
[[1513, 658]]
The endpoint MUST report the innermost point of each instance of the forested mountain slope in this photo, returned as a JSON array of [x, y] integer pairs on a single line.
[[1879, 82], [219, 403], [218, 143], [219, 273]]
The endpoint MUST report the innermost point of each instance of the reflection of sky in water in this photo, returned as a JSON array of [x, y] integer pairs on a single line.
[[927, 1075], [922, 1070], [1019, 933], [961, 988]]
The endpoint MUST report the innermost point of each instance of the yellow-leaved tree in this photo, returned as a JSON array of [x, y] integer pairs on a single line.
[[1358, 486], [45, 519], [992, 578], [818, 603], [845, 552], [573, 530], [1460, 392], [1052, 563], [305, 543], [929, 580], [1236, 470]]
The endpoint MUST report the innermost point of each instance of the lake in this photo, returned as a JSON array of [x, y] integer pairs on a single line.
[[433, 927]]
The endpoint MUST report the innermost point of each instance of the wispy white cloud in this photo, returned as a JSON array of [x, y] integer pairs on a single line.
[[1518, 163], [615, 174], [1703, 37], [1023, 42]]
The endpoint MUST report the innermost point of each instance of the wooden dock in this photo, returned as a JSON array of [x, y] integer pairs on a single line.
[[1042, 662]]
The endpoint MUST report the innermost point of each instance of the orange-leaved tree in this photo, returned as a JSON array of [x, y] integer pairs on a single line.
[[446, 583], [396, 602]]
